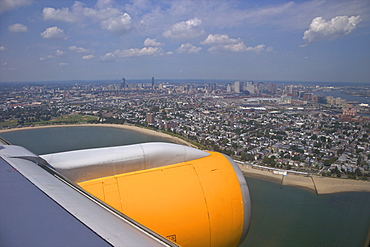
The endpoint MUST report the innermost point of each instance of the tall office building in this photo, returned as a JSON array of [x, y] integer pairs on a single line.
[[289, 90], [228, 88], [250, 87], [237, 87], [272, 88], [123, 83], [152, 82]]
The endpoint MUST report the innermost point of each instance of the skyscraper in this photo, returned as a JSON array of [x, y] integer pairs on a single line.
[[228, 89], [237, 86], [250, 87], [152, 82], [272, 88], [123, 83]]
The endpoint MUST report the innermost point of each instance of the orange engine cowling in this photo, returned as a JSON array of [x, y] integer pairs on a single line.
[[199, 200]]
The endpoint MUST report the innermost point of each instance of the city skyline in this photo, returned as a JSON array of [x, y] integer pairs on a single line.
[[243, 40]]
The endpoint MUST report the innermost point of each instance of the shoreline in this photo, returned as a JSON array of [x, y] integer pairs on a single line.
[[320, 185], [119, 126]]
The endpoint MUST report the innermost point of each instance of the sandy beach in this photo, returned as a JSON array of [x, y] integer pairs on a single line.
[[324, 185], [121, 126], [321, 185]]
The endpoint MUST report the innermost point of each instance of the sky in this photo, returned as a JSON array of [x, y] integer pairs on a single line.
[[278, 40]]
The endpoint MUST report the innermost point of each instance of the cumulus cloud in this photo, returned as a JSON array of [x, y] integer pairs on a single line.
[[219, 39], [321, 29], [54, 33], [185, 29], [17, 28], [152, 42], [63, 64], [59, 52], [110, 18], [59, 15], [108, 57], [238, 47], [104, 3], [188, 48], [78, 49], [65, 14], [136, 52], [222, 42], [7, 5], [119, 24], [2, 48], [86, 57]]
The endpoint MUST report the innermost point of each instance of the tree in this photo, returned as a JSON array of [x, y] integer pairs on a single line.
[[269, 161], [358, 172]]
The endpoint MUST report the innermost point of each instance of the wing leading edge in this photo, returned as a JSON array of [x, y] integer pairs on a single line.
[[44, 208]]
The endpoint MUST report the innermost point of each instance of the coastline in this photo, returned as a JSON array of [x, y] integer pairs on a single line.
[[120, 126], [320, 185]]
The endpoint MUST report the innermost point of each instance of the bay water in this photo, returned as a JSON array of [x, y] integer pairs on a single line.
[[287, 216]]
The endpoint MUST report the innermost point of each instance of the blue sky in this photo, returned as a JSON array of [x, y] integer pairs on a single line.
[[313, 40]]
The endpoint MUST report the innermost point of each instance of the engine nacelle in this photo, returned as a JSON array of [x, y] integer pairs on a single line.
[[192, 197]]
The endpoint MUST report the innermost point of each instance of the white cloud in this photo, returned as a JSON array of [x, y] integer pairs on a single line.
[[138, 6], [7, 5], [104, 3], [185, 29], [59, 52], [110, 18], [108, 57], [17, 28], [9, 67], [63, 64], [2, 48], [42, 58], [269, 49], [78, 49], [222, 42], [54, 33], [152, 42], [135, 52], [321, 29], [75, 14], [239, 47], [118, 25], [219, 39], [86, 57], [188, 48], [257, 48]]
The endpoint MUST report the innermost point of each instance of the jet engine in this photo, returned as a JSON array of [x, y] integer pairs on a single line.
[[192, 197]]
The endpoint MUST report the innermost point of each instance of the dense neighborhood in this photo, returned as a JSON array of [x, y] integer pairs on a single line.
[[285, 126]]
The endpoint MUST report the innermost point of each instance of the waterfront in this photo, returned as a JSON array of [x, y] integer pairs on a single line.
[[287, 216], [343, 95], [60, 139]]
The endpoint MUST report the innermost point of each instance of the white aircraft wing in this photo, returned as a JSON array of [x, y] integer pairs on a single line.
[[40, 207]]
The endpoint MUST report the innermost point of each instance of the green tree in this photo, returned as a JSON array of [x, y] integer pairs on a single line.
[[358, 172]]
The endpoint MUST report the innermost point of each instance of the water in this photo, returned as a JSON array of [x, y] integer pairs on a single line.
[[343, 95], [60, 139], [295, 217], [280, 217]]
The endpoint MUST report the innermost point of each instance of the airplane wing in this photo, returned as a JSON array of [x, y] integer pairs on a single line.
[[40, 207], [137, 195]]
